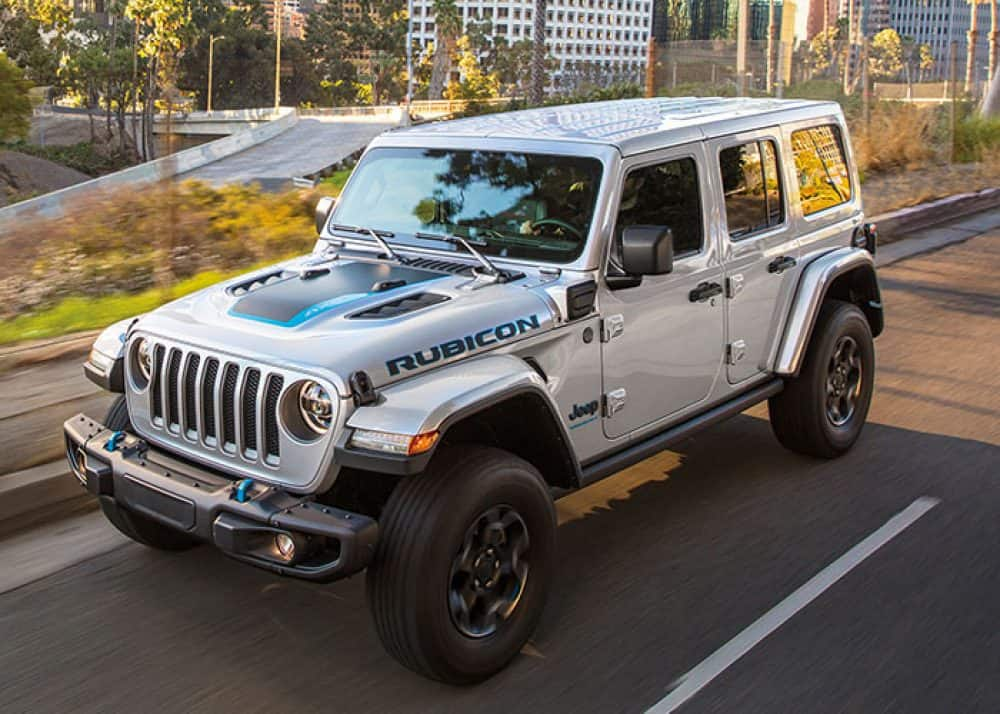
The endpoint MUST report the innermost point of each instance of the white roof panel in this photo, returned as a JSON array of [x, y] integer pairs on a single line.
[[626, 123]]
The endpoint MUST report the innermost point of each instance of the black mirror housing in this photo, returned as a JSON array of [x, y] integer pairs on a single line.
[[647, 250]]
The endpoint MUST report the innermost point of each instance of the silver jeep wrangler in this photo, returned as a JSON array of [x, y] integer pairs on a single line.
[[497, 310]]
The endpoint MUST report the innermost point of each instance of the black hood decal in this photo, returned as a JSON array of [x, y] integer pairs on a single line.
[[295, 300]]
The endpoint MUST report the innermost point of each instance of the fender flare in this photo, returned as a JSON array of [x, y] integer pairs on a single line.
[[441, 399], [814, 285]]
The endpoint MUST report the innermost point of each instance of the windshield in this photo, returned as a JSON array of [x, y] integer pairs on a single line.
[[508, 204]]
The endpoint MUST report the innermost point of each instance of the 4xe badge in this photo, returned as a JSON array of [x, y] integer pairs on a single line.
[[584, 413]]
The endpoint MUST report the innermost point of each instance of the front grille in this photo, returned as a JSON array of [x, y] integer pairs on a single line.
[[220, 405]]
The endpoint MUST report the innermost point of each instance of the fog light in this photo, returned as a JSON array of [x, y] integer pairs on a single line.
[[285, 545]]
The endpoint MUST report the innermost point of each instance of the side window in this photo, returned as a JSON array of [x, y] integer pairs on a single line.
[[752, 188], [824, 181], [664, 195]]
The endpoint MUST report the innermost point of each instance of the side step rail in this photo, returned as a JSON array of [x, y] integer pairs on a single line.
[[634, 453]]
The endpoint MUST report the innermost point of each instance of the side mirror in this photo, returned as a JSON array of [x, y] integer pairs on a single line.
[[324, 207], [647, 250]]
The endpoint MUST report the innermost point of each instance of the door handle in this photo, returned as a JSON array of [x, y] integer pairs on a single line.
[[704, 291], [780, 265]]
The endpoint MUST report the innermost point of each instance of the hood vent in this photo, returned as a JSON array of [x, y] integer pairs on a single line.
[[260, 281], [444, 266], [400, 306]]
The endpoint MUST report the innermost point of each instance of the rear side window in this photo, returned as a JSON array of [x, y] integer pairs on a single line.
[[664, 195], [752, 188], [824, 181]]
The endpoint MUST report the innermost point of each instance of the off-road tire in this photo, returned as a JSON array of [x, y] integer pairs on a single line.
[[423, 532], [139, 528], [799, 413]]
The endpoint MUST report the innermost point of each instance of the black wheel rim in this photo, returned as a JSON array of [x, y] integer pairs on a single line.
[[843, 381], [489, 572]]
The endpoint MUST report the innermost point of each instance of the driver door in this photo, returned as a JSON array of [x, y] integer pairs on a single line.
[[663, 341]]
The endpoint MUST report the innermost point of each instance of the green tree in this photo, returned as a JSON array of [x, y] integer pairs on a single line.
[[885, 59], [474, 82], [15, 104], [448, 27], [328, 43], [21, 39]]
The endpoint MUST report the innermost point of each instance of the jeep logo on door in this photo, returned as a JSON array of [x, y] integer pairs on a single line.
[[460, 345], [583, 411]]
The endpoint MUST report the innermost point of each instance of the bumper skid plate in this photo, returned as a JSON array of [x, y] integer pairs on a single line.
[[244, 522]]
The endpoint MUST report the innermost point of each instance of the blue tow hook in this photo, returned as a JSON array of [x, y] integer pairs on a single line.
[[241, 490], [112, 443]]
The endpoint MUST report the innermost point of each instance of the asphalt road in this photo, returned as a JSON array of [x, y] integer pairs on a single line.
[[660, 566]]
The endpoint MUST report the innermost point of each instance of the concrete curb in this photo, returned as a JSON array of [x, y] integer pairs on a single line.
[[23, 354], [895, 225], [39, 494]]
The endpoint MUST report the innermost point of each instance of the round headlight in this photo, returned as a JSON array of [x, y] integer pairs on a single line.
[[316, 406], [144, 357]]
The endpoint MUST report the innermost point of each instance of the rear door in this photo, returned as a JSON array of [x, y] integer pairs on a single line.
[[761, 252]]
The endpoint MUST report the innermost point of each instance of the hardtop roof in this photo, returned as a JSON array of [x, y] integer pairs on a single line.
[[628, 124]]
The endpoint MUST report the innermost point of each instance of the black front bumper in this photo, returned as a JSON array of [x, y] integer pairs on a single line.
[[331, 543]]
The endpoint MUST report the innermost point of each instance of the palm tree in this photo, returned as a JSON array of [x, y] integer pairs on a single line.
[[448, 26], [538, 79], [970, 53], [993, 39]]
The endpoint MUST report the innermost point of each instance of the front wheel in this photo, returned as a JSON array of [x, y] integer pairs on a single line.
[[465, 558], [822, 410]]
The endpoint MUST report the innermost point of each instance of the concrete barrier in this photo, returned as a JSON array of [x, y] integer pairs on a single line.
[[52, 205], [221, 122], [894, 225]]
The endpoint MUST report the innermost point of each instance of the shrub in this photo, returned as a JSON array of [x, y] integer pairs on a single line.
[[86, 157], [150, 236], [898, 136], [977, 138]]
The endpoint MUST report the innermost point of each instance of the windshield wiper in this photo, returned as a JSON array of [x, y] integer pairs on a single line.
[[376, 235], [488, 266]]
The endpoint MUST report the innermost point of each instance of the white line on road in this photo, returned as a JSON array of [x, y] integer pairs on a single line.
[[720, 660]]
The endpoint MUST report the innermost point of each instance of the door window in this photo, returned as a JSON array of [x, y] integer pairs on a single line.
[[663, 195], [824, 181], [752, 188]]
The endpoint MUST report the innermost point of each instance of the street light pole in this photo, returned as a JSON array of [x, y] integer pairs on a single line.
[[212, 39], [278, 8], [409, 54]]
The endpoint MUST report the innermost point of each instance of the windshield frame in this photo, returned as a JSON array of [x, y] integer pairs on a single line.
[[588, 258]]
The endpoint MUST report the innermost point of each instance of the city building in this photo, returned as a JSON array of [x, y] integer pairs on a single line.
[[608, 35], [938, 23]]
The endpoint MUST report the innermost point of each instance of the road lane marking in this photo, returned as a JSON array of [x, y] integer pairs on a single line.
[[724, 657]]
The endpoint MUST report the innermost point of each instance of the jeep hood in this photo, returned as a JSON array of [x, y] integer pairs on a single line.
[[336, 317]]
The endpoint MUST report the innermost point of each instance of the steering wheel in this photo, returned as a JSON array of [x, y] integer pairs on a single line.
[[559, 224]]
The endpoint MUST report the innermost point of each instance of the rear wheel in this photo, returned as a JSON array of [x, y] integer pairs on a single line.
[[462, 571], [139, 528], [821, 412]]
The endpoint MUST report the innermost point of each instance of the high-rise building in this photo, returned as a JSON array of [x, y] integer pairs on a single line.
[[608, 34], [938, 23]]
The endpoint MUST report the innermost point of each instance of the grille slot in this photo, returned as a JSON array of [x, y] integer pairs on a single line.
[[208, 397], [155, 383], [173, 374], [248, 410], [229, 405], [190, 394], [272, 447]]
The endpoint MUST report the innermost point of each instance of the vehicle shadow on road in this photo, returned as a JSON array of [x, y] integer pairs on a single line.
[[658, 566]]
